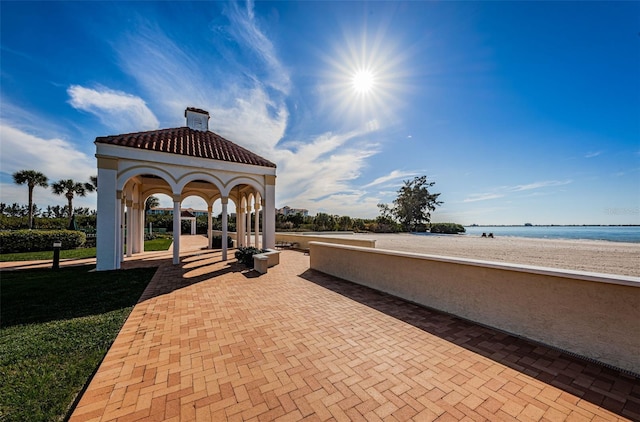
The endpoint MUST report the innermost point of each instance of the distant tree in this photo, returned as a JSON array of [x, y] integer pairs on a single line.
[[94, 182], [414, 203], [58, 211], [323, 222], [386, 213], [151, 202], [345, 223], [296, 219], [82, 211], [359, 224], [448, 228], [36, 211], [32, 179], [69, 189], [16, 210]]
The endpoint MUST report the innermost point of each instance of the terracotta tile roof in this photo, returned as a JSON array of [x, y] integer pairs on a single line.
[[187, 141]]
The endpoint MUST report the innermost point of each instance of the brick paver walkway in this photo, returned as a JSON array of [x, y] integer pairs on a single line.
[[211, 341]]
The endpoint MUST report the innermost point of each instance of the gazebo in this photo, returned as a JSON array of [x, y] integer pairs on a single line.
[[179, 162]]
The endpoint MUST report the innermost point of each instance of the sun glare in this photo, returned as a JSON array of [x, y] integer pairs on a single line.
[[363, 81], [364, 77]]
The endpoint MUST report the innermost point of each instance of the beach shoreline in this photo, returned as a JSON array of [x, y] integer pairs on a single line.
[[599, 256]]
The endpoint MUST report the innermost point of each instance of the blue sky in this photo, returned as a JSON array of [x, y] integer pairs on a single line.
[[519, 111]]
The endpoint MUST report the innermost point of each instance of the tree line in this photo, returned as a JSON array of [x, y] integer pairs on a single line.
[[56, 211], [410, 211]]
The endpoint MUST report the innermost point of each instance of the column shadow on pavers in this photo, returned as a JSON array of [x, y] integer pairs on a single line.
[[610, 388], [170, 278]]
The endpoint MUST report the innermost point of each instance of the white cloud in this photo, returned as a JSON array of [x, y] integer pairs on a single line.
[[247, 104], [244, 28], [505, 190], [116, 109], [475, 197], [320, 169], [394, 175], [539, 185], [55, 158], [249, 122], [353, 204], [592, 154]]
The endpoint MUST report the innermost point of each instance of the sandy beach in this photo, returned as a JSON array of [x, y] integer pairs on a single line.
[[581, 255]]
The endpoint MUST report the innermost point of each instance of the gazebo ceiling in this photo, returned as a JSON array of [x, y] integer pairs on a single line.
[[189, 142]]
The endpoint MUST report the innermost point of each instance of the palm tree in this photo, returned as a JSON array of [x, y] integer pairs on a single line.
[[32, 178], [151, 202], [70, 188], [94, 181]]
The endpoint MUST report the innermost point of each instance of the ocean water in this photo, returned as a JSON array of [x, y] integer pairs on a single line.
[[609, 233]]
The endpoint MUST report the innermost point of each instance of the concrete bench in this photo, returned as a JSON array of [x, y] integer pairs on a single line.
[[265, 260]]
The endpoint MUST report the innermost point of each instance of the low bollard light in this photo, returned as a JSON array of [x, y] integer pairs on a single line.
[[56, 254]]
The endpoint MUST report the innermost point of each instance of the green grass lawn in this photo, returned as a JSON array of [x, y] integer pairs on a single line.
[[56, 327], [160, 244]]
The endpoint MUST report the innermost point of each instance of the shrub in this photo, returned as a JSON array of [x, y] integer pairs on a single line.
[[448, 228], [217, 242], [13, 223], [39, 240], [86, 223], [382, 227], [91, 241], [245, 255]]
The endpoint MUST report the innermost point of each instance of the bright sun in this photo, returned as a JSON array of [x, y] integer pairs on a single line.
[[363, 81]]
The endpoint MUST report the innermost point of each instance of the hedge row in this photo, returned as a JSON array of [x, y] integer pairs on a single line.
[[84, 222], [39, 240]]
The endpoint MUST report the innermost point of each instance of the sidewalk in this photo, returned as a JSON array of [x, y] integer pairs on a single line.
[[188, 244], [210, 340]]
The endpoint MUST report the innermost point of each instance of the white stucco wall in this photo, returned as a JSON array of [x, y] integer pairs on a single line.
[[593, 315], [304, 239]]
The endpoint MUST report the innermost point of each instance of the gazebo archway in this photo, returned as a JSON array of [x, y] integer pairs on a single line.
[[178, 162]]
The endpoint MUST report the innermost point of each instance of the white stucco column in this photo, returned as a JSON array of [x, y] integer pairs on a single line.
[[269, 212], [256, 224], [140, 227], [262, 203], [225, 201], [193, 227], [136, 225], [240, 227], [210, 226], [107, 222], [122, 228], [248, 222], [129, 227], [176, 229]]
